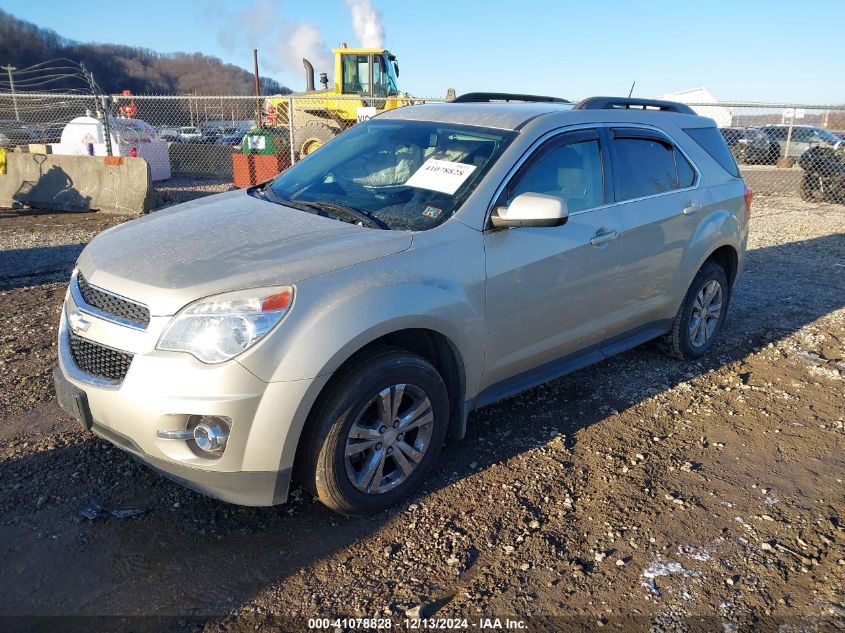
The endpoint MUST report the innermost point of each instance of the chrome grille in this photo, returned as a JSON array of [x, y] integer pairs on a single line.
[[99, 360], [112, 304]]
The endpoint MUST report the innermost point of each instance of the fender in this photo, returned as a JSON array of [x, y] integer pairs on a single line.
[[720, 228], [437, 286]]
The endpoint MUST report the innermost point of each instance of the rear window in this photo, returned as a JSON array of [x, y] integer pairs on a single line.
[[714, 144]]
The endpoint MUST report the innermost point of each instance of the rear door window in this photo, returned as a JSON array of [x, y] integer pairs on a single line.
[[642, 166]]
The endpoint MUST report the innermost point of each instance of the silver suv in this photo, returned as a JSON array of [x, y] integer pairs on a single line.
[[337, 322]]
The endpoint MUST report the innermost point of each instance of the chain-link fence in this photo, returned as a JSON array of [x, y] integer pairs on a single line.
[[782, 149]]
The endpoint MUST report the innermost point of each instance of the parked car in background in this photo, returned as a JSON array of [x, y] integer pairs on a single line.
[[214, 134], [233, 136], [14, 133], [840, 134], [50, 133], [168, 134], [803, 137], [189, 134], [751, 145]]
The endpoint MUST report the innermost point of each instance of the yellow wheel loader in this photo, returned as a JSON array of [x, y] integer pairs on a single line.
[[365, 83]]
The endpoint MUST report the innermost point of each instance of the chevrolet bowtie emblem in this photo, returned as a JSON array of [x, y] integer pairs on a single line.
[[77, 322]]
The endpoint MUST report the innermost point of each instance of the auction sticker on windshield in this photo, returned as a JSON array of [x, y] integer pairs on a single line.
[[440, 175]]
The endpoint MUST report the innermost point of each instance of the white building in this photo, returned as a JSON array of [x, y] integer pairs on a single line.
[[698, 96]]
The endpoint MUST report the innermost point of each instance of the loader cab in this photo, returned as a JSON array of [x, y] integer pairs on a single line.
[[368, 72]]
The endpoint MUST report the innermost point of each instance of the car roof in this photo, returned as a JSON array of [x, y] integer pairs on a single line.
[[515, 115], [503, 116]]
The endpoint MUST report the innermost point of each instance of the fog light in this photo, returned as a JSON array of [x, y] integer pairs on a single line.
[[211, 434]]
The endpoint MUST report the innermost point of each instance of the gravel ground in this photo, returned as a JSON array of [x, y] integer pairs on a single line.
[[641, 492]]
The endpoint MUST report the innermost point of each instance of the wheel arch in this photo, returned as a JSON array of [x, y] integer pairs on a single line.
[[728, 258], [431, 344]]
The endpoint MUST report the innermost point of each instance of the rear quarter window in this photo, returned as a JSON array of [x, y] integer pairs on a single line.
[[712, 142]]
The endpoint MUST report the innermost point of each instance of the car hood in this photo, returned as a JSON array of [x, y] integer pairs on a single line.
[[229, 241]]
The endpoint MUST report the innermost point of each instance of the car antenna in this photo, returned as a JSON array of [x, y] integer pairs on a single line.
[[631, 91]]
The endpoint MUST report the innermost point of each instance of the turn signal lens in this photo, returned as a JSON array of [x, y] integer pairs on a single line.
[[279, 301]]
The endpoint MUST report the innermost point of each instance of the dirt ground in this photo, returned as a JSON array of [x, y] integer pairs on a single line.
[[639, 494]]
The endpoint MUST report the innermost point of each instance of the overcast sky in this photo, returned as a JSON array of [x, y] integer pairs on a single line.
[[741, 50]]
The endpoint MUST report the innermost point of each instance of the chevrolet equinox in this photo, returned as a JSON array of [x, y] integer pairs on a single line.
[[335, 323]]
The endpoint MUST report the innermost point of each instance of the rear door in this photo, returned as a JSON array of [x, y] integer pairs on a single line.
[[552, 291], [659, 203]]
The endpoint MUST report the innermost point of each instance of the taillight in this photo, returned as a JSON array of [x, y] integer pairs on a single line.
[[748, 197]]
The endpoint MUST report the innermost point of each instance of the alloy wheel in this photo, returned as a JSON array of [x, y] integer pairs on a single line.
[[389, 438], [706, 312]]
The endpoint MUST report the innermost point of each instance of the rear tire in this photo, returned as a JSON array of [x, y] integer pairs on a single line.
[[700, 317], [377, 433], [809, 189]]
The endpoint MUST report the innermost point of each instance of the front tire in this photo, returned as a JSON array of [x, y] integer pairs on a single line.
[[377, 434], [311, 136], [700, 317]]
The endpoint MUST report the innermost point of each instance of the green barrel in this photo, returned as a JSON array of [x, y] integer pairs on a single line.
[[264, 141]]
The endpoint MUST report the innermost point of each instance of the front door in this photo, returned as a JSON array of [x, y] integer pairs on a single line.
[[552, 291]]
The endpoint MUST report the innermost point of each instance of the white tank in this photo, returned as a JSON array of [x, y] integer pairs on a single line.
[[125, 134]]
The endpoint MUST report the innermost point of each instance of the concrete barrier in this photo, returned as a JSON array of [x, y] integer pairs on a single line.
[[76, 183]]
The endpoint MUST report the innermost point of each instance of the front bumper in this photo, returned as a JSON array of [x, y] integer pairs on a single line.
[[161, 390]]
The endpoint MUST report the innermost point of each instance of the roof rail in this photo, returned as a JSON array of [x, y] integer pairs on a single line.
[[610, 103], [488, 97]]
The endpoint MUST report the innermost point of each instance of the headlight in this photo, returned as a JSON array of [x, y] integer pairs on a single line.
[[221, 327]]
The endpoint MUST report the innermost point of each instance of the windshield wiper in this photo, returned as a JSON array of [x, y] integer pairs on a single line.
[[367, 219], [322, 208]]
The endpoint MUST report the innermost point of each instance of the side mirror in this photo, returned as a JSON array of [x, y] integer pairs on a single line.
[[531, 209]]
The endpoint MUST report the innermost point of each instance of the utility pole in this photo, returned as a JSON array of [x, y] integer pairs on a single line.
[[101, 107], [257, 88], [9, 70]]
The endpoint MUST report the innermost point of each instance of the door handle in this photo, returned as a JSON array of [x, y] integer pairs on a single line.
[[691, 208], [601, 238]]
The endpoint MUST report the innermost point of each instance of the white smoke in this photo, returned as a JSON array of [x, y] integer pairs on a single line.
[[282, 42], [298, 41], [366, 21]]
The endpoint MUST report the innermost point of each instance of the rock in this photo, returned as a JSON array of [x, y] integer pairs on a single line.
[[599, 556], [41, 501], [413, 612], [452, 561], [620, 562], [508, 549], [534, 525]]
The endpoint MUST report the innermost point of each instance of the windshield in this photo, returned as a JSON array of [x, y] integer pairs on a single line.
[[406, 175]]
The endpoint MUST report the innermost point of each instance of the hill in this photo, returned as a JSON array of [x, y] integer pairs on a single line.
[[117, 68]]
